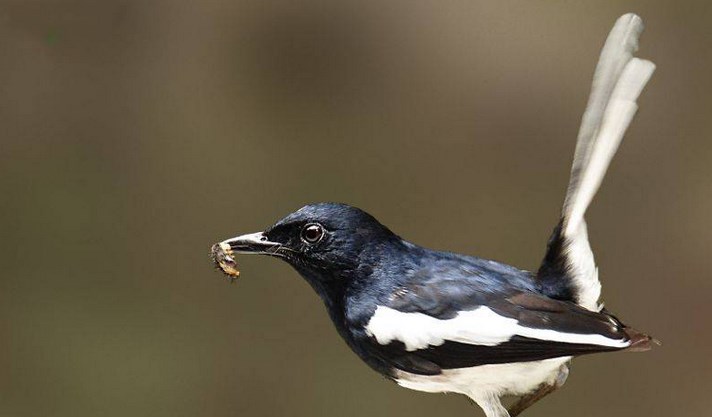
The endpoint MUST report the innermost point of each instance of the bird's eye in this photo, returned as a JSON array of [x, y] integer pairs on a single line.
[[312, 233]]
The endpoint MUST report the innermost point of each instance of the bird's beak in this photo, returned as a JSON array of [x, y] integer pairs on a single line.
[[254, 243], [223, 253]]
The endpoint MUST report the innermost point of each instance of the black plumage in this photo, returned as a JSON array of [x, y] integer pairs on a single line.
[[359, 264]]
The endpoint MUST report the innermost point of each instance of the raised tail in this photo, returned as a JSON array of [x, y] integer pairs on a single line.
[[568, 270]]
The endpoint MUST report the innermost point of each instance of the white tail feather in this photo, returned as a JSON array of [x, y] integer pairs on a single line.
[[615, 121], [618, 81]]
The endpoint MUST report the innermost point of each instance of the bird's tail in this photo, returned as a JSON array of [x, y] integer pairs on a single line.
[[568, 270]]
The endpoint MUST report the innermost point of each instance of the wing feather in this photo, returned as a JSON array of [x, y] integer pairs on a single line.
[[518, 327]]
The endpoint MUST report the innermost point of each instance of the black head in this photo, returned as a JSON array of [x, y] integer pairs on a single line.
[[325, 242]]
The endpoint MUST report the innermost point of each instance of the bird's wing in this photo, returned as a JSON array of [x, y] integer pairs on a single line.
[[568, 270], [447, 322]]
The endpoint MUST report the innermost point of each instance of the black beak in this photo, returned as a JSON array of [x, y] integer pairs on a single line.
[[254, 243]]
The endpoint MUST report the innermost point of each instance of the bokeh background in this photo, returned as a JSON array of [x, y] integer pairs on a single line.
[[134, 134]]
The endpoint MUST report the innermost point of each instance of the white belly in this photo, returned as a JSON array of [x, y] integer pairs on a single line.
[[503, 379]]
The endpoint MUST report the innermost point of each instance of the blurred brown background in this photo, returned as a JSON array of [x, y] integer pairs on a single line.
[[137, 133]]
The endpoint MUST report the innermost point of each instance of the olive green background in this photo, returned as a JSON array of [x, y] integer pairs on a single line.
[[134, 134]]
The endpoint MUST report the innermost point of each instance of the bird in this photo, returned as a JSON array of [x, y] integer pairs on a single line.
[[439, 321]]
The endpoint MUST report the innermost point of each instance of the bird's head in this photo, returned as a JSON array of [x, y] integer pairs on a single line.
[[326, 243]]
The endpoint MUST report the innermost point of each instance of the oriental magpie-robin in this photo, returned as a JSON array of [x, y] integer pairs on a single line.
[[443, 322]]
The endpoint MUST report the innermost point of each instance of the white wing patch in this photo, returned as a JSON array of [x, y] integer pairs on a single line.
[[480, 326]]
